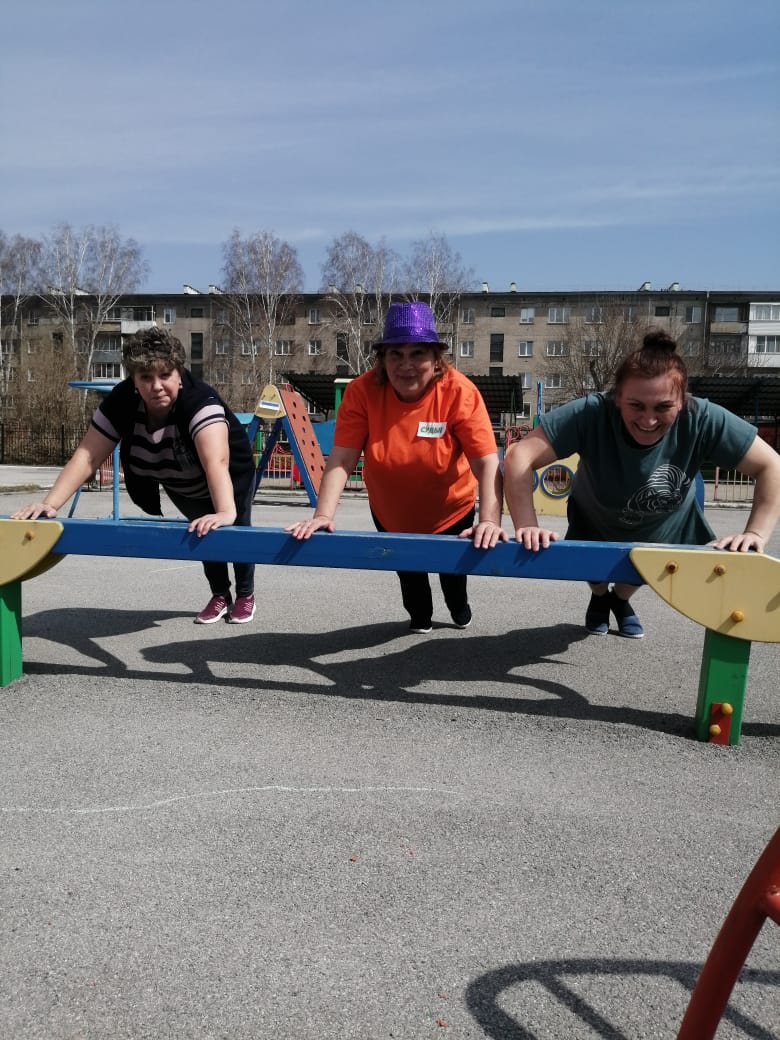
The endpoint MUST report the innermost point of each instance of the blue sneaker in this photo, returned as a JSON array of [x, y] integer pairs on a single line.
[[597, 615], [628, 623]]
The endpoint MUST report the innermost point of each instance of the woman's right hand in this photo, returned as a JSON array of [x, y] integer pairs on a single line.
[[535, 537], [305, 528], [34, 511]]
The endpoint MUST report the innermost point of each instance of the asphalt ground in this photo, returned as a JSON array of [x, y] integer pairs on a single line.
[[320, 826]]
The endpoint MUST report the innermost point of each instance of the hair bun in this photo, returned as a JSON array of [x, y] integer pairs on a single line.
[[657, 339]]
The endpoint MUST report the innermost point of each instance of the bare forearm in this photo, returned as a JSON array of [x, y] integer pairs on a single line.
[[334, 480]]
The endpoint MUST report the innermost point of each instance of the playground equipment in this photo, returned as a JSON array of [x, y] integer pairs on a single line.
[[758, 899], [285, 408], [733, 595]]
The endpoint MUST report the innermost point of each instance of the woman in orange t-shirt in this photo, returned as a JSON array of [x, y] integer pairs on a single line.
[[428, 446]]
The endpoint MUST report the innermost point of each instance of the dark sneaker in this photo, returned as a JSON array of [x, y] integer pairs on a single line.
[[243, 610], [461, 618], [421, 627], [628, 623], [215, 609], [597, 614]]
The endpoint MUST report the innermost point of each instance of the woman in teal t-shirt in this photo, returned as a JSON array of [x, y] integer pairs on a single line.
[[640, 447]]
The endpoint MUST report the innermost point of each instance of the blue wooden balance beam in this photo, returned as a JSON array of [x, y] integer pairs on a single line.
[[725, 592]]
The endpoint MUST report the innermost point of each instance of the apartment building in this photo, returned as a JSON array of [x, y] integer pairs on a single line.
[[548, 344]]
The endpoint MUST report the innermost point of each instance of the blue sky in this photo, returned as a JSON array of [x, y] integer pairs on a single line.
[[559, 144]]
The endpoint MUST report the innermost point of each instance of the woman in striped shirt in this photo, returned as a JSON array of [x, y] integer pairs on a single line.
[[174, 432]]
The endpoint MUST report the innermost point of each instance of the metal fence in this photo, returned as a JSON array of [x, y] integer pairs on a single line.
[[21, 445]]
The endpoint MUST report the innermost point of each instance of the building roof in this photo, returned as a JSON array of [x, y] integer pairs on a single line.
[[502, 394], [752, 397]]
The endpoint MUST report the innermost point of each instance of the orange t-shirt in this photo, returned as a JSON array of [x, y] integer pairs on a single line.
[[416, 454]]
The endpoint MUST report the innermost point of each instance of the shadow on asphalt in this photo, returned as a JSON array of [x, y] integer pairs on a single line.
[[484, 993], [392, 666]]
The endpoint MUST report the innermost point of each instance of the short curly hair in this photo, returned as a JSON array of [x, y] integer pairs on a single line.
[[151, 349]]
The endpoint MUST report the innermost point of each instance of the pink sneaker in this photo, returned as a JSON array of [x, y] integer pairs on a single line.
[[215, 609], [243, 610]]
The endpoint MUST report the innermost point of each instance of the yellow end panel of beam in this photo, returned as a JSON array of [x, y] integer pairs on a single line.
[[24, 545], [736, 594], [270, 405]]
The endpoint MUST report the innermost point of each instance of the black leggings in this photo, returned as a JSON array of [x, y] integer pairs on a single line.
[[416, 587], [217, 574]]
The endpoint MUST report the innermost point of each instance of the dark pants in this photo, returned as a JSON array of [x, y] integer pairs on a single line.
[[217, 574], [416, 587]]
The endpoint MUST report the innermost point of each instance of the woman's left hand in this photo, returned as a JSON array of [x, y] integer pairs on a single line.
[[485, 534], [210, 522], [744, 542]]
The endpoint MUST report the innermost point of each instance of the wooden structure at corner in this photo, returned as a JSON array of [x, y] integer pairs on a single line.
[[285, 408]]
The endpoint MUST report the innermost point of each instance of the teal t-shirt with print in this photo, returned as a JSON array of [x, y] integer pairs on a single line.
[[623, 492]]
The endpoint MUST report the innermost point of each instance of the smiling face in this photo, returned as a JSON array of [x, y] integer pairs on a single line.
[[159, 387], [649, 407], [410, 369]]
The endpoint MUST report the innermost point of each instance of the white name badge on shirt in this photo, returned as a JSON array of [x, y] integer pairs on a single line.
[[431, 429]]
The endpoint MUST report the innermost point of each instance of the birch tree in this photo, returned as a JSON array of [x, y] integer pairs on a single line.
[[19, 274], [86, 271], [262, 281], [359, 280]]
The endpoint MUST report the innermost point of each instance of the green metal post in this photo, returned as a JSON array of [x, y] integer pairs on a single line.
[[722, 680], [10, 632]]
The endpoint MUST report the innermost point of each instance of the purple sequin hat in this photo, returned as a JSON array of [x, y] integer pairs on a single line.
[[409, 323]]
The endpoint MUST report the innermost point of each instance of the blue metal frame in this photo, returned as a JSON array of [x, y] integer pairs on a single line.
[[355, 550]]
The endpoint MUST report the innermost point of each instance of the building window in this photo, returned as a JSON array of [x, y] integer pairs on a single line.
[[314, 316], [498, 312], [196, 312], [342, 347], [525, 348], [629, 314], [247, 379], [32, 348], [553, 381], [526, 381], [169, 315], [594, 316], [496, 370], [220, 318], [558, 316], [468, 316], [726, 314], [220, 377], [33, 318], [591, 348], [315, 347], [248, 349], [527, 315], [107, 370], [556, 348], [693, 315], [196, 354], [662, 311], [467, 348], [765, 312], [111, 344], [768, 344], [220, 346], [283, 347], [497, 348], [588, 382], [723, 346], [369, 319]]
